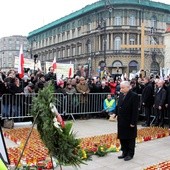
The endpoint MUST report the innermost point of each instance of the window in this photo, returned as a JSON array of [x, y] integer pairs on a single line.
[[133, 66], [88, 27], [63, 36], [79, 31], [79, 50], [88, 46], [74, 51], [58, 37], [73, 33], [118, 20], [132, 20], [117, 43], [63, 52], [154, 22], [68, 52], [132, 41], [68, 35], [54, 39], [59, 54]]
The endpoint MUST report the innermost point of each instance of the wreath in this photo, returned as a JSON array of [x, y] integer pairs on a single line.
[[57, 135]]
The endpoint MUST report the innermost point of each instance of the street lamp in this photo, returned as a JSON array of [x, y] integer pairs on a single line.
[[89, 70], [102, 26]]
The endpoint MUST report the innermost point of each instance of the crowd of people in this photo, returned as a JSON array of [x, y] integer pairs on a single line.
[[155, 92]]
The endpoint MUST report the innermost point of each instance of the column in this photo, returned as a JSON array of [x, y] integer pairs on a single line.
[[111, 42], [138, 39], [127, 38], [99, 42], [108, 42], [123, 38]]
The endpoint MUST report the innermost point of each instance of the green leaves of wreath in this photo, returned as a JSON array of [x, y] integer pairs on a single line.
[[61, 144]]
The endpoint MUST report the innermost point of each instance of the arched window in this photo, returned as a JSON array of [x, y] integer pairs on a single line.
[[118, 20], [117, 43], [133, 66], [132, 20], [153, 22]]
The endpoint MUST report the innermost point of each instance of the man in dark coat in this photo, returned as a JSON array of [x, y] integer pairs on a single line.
[[168, 104], [159, 104], [147, 100], [127, 113]]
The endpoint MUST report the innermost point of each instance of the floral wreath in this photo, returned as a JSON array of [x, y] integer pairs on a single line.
[[54, 132]]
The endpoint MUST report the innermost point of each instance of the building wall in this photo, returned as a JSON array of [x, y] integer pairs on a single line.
[[9, 48], [167, 50], [99, 34]]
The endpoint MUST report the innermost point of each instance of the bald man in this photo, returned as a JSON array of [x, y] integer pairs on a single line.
[[159, 103], [127, 111]]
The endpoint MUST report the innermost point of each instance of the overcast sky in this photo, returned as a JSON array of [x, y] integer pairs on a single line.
[[19, 17]]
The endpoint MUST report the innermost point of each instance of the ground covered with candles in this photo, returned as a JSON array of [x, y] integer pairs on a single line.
[[36, 154]]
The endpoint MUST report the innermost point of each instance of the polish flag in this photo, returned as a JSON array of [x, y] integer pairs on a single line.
[[70, 71], [21, 63], [54, 64]]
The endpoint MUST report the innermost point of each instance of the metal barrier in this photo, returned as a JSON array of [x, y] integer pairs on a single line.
[[77, 104], [19, 105]]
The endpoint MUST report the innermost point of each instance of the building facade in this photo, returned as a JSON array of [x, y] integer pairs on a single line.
[[94, 34], [167, 52], [9, 48]]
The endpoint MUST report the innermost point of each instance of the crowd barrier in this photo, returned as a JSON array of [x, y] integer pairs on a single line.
[[19, 105]]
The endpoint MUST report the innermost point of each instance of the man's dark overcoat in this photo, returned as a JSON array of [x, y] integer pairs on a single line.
[[127, 112]]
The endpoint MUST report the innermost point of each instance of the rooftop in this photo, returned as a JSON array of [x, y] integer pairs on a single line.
[[101, 4]]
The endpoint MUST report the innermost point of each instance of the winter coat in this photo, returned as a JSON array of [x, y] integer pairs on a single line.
[[127, 111]]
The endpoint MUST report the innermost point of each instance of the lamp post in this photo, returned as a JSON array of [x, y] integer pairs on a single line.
[[105, 41], [89, 67], [103, 26]]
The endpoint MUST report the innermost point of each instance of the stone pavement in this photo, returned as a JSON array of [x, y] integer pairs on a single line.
[[147, 153]]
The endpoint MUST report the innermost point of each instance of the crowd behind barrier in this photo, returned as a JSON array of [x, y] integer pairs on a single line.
[[81, 95], [19, 105]]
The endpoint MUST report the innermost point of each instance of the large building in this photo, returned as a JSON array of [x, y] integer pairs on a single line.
[[94, 34], [167, 52], [9, 48]]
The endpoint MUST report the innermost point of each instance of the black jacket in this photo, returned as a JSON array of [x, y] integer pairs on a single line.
[[147, 95], [127, 112], [160, 98]]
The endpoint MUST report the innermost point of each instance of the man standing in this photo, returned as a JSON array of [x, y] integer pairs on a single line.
[[127, 111], [147, 100], [168, 104], [159, 103]]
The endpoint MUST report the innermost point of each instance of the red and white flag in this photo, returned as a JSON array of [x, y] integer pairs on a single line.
[[54, 64], [21, 63], [70, 71]]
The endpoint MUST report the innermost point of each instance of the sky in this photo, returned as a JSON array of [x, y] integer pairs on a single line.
[[19, 17]]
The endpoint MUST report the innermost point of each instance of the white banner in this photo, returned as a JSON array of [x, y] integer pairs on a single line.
[[62, 70], [28, 63]]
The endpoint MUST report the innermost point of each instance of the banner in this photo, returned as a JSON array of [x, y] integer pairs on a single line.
[[28, 63], [62, 70]]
